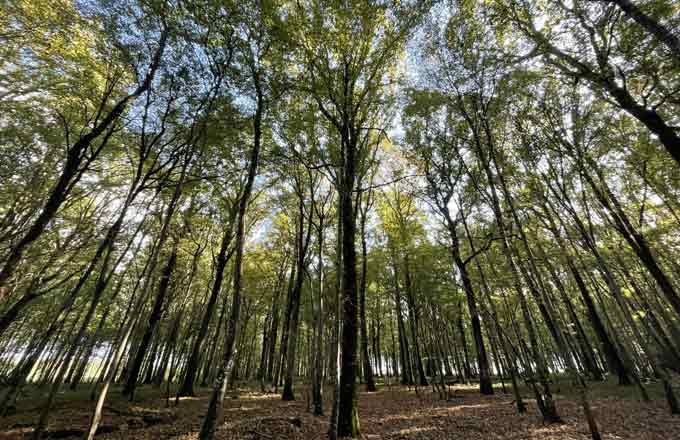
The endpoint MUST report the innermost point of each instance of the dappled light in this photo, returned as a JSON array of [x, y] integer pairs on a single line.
[[334, 219]]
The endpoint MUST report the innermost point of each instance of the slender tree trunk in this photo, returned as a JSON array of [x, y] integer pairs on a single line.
[[154, 318], [73, 170], [317, 376], [302, 239], [615, 363], [465, 370], [215, 405], [606, 81], [187, 387], [273, 333], [285, 331], [634, 238], [170, 344], [89, 345], [122, 341], [413, 318], [368, 371], [404, 353], [544, 398], [485, 385], [208, 362], [335, 340]]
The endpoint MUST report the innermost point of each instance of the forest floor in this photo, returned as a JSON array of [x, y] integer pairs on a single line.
[[391, 413]]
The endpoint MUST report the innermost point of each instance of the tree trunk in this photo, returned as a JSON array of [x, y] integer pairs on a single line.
[[404, 352], [413, 318], [302, 239], [368, 371], [348, 419], [544, 399], [335, 336], [273, 333], [154, 318], [72, 170], [317, 376], [187, 388], [658, 30], [217, 396]]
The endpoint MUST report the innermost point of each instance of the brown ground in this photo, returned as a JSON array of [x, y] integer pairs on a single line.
[[392, 413]]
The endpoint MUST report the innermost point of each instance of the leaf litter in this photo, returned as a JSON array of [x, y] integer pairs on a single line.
[[391, 413]]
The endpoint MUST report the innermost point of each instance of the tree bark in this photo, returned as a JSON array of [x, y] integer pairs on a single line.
[[317, 377], [187, 388], [302, 245], [215, 405], [368, 371], [154, 318], [273, 333], [348, 419], [414, 321]]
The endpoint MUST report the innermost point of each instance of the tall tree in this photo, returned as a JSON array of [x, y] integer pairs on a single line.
[[346, 63]]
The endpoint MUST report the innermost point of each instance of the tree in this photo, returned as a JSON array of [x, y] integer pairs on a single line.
[[346, 64], [83, 151]]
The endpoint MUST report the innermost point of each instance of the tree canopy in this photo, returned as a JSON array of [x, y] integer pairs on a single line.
[[324, 198]]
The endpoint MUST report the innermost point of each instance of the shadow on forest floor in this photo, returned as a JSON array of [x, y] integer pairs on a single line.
[[392, 413]]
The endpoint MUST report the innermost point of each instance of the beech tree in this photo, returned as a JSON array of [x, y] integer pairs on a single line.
[[338, 203]]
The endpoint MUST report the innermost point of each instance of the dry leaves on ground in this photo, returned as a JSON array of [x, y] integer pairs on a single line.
[[391, 413]]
